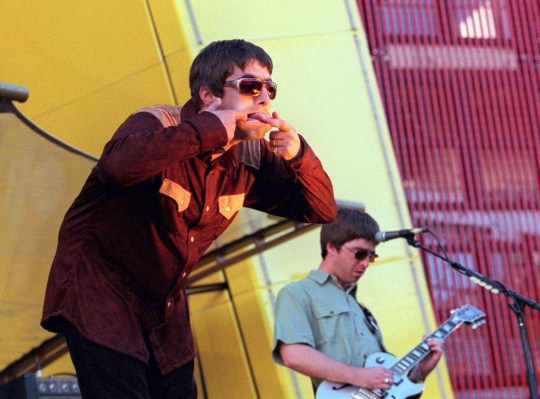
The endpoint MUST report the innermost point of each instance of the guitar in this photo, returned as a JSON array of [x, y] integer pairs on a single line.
[[402, 387]]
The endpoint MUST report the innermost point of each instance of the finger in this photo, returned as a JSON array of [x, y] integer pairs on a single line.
[[241, 116], [280, 123], [274, 135]]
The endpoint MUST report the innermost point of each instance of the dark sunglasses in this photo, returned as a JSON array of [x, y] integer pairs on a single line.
[[361, 254], [253, 87]]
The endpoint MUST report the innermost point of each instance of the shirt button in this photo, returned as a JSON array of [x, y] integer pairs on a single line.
[[207, 208], [228, 209], [192, 239], [184, 274], [169, 304]]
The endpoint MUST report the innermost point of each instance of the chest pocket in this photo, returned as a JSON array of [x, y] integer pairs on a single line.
[[176, 192], [230, 204], [333, 320], [328, 310]]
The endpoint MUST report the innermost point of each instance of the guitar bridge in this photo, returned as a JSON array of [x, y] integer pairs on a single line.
[[365, 394]]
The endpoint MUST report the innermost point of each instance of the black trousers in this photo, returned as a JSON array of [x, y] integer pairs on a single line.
[[104, 374]]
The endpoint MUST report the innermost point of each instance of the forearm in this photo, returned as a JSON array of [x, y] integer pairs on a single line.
[[314, 187], [142, 146], [417, 376], [310, 362], [299, 189]]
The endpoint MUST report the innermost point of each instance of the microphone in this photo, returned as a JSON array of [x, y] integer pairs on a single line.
[[383, 236]]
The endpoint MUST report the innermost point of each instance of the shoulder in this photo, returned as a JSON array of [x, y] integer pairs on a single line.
[[168, 115], [306, 288]]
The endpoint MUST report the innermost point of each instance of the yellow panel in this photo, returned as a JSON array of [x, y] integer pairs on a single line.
[[253, 303], [177, 44], [38, 180], [90, 121], [179, 64], [85, 64], [19, 330], [253, 308], [225, 368], [199, 379], [261, 20], [167, 16], [73, 48], [60, 366]]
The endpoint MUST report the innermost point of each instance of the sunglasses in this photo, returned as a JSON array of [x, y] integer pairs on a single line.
[[361, 254], [253, 87]]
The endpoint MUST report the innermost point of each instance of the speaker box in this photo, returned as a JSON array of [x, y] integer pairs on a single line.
[[31, 387]]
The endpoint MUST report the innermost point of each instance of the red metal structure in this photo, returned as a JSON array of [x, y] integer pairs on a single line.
[[460, 82]]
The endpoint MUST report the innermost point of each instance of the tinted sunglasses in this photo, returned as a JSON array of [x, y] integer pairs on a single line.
[[361, 254], [253, 87]]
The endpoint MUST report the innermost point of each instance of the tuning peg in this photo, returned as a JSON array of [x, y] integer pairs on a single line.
[[477, 324]]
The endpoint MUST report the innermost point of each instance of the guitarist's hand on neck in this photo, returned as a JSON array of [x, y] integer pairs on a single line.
[[422, 369]]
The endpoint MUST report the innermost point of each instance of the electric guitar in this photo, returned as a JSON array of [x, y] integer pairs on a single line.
[[402, 387]]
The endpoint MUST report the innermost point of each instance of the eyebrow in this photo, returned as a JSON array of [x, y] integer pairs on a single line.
[[249, 75]]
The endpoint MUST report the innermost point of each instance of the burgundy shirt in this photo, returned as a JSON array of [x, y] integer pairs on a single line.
[[149, 210]]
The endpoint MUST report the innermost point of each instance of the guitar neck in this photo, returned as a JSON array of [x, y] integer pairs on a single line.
[[407, 362]]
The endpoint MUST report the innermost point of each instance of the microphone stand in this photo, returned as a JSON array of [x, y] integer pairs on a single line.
[[517, 305]]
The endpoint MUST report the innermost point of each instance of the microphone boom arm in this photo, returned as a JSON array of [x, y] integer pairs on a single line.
[[517, 305]]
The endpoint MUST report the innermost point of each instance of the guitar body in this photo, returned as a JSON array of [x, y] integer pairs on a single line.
[[401, 389]]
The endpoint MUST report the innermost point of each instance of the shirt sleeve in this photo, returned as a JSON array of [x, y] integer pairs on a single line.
[[292, 321], [142, 146], [299, 189]]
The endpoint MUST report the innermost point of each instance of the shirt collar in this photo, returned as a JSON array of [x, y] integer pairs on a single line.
[[189, 110], [322, 277]]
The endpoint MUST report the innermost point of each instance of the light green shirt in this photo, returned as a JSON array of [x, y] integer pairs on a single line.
[[318, 312]]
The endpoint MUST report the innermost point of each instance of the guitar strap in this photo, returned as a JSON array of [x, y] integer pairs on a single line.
[[372, 325], [370, 319]]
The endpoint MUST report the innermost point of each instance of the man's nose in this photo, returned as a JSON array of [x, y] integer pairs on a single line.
[[264, 98]]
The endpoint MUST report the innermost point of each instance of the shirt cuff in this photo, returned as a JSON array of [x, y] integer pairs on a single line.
[[211, 131]]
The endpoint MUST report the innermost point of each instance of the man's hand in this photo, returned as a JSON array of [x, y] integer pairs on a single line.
[[309, 361], [229, 117], [240, 127], [373, 377], [285, 141], [427, 364]]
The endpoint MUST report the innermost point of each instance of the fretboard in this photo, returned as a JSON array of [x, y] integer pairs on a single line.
[[407, 362]]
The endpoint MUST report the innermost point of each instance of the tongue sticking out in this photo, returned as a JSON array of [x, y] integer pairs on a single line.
[[260, 117]]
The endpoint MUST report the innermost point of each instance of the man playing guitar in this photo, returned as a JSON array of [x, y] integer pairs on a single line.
[[321, 331]]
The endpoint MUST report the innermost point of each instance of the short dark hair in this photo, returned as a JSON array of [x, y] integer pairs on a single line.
[[350, 224], [216, 62]]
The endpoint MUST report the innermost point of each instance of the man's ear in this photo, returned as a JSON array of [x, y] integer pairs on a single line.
[[331, 248], [207, 97]]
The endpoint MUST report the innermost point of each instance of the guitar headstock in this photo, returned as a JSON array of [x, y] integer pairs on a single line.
[[470, 315]]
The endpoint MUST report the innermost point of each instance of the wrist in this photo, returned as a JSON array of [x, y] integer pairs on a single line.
[[416, 377]]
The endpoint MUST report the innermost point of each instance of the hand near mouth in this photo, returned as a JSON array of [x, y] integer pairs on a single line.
[[229, 117], [285, 141]]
